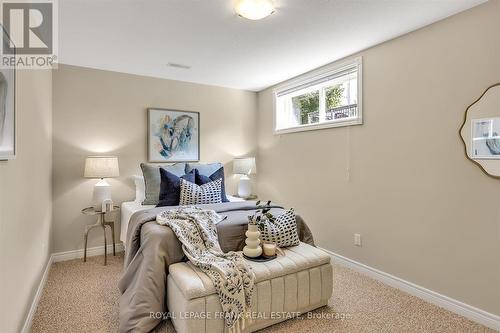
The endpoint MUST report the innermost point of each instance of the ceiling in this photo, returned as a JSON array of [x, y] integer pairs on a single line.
[[143, 36]]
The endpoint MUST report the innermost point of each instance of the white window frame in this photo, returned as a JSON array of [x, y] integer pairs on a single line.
[[312, 77]]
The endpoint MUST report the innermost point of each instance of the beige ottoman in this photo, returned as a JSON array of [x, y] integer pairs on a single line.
[[295, 283]]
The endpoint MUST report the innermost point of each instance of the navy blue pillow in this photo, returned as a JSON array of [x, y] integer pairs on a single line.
[[170, 187], [201, 179]]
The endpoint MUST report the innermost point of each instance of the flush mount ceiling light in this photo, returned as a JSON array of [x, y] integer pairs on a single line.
[[254, 9]]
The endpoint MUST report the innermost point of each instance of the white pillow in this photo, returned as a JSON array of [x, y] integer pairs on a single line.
[[140, 188]]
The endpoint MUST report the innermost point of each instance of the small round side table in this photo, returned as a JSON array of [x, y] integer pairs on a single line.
[[101, 222], [249, 198]]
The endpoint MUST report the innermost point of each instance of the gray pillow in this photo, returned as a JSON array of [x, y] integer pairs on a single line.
[[204, 169], [152, 179]]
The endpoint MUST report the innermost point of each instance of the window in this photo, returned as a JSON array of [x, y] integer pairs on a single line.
[[329, 98]]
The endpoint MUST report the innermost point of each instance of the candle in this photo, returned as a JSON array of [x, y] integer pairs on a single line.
[[269, 249]]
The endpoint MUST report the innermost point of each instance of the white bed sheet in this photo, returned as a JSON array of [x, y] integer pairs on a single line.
[[130, 207]]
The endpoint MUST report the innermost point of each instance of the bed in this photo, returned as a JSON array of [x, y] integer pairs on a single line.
[[152, 248], [128, 209]]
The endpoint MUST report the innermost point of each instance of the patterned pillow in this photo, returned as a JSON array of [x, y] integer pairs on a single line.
[[192, 194], [283, 231], [201, 179]]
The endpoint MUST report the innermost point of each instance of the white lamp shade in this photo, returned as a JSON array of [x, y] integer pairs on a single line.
[[244, 166], [101, 167]]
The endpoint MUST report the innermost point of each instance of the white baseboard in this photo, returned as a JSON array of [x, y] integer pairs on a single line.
[[91, 252], [57, 257], [34, 304], [477, 315]]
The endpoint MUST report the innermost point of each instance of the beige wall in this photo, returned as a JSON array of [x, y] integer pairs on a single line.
[[101, 112], [425, 213], [26, 200]]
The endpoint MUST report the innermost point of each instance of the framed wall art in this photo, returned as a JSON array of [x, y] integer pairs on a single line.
[[173, 135], [7, 110]]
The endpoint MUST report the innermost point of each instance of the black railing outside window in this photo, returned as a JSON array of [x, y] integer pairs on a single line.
[[340, 112]]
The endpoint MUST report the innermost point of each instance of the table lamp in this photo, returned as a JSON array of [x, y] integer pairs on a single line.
[[101, 167], [244, 167]]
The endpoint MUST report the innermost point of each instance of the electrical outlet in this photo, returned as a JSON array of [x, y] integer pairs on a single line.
[[357, 239]]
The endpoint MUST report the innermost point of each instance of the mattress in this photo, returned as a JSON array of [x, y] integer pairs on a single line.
[[130, 207]]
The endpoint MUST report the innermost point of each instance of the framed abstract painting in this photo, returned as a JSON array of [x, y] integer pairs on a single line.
[[7, 110], [173, 135]]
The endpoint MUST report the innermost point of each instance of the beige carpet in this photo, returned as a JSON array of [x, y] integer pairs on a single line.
[[83, 297]]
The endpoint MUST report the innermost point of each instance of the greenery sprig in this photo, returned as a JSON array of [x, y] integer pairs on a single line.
[[262, 214]]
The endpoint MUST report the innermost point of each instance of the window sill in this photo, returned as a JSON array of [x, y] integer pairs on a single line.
[[313, 127]]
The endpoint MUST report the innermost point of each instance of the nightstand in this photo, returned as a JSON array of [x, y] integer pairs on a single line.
[[250, 198], [101, 222]]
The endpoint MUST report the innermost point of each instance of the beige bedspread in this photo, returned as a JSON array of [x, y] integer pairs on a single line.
[[151, 248]]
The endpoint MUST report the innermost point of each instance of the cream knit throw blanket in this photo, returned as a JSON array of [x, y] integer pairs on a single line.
[[232, 277]]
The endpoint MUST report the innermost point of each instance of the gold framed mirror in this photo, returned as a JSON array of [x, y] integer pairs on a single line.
[[480, 131]]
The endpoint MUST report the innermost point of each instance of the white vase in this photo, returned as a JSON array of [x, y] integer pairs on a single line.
[[252, 249]]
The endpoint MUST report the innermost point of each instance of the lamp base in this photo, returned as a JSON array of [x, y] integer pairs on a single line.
[[102, 191], [244, 187]]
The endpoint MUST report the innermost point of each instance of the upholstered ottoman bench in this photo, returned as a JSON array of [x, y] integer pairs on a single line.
[[289, 285]]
